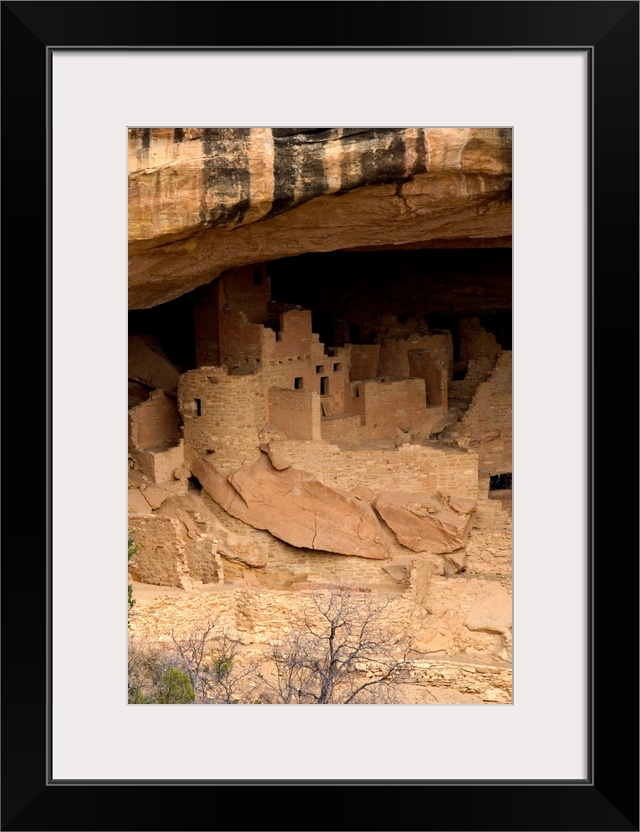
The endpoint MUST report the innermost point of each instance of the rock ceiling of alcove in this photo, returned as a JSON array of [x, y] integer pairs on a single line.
[[203, 200]]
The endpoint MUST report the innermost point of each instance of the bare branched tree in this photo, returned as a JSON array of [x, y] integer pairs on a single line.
[[204, 666], [344, 651], [211, 659]]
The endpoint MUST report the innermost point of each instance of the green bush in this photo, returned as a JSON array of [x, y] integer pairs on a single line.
[[175, 688]]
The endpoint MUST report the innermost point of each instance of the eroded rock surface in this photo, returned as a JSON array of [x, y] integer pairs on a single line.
[[491, 610], [425, 524], [192, 512], [149, 365], [296, 507], [285, 192]]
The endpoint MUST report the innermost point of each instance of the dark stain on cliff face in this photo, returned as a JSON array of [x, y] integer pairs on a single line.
[[298, 169], [283, 174], [370, 157], [143, 136], [384, 160], [420, 165], [225, 176], [388, 159], [178, 135], [312, 178]]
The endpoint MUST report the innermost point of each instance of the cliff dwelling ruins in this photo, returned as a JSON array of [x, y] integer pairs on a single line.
[[320, 389]]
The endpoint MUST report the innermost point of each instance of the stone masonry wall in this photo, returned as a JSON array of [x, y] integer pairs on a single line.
[[232, 414], [424, 468], [342, 428], [435, 375], [391, 405], [476, 342], [255, 616], [479, 349], [493, 682], [246, 289], [364, 361], [394, 354], [161, 467], [155, 423], [310, 371], [242, 344], [487, 425], [490, 542], [296, 412], [161, 556]]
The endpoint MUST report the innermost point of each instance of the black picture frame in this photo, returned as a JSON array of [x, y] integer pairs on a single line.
[[608, 798]]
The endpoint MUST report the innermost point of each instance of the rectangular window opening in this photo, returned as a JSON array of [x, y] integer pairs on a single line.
[[337, 368], [319, 368], [198, 406], [298, 383], [324, 386], [500, 482]]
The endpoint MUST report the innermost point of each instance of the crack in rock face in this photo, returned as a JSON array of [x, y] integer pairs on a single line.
[[425, 524]]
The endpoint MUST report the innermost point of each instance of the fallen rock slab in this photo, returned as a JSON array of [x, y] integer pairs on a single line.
[[296, 507], [423, 523]]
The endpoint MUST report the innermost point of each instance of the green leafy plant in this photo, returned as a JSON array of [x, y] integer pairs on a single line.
[[175, 688]]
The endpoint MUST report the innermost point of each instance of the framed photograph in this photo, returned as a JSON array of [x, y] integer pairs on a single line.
[[83, 81]]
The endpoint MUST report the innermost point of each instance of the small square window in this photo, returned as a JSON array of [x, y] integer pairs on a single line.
[[319, 368], [298, 383], [337, 368]]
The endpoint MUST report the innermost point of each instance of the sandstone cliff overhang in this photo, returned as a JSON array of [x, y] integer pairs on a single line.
[[203, 200]]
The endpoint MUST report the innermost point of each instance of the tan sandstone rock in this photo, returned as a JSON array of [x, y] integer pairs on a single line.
[[491, 610], [155, 496], [203, 200], [422, 523], [149, 365], [296, 507], [192, 512], [137, 502]]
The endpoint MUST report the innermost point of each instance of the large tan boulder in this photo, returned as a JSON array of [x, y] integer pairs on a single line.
[[296, 507], [426, 524]]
